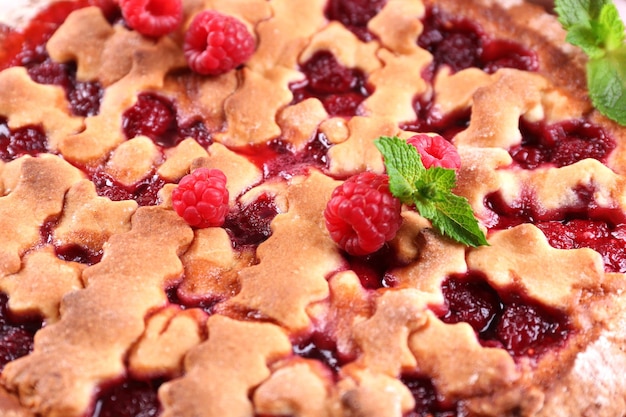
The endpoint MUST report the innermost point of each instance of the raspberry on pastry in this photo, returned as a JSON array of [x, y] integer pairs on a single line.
[[201, 198], [216, 43], [152, 17], [362, 215], [436, 151]]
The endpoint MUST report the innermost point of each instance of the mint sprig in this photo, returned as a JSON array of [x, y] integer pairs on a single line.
[[430, 191], [595, 26]]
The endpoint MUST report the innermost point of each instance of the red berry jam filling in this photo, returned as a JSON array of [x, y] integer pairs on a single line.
[[604, 238], [84, 97], [355, 14], [427, 401], [279, 159], [128, 398], [372, 269], [27, 45], [340, 89], [508, 319], [70, 253], [144, 192], [16, 336], [584, 226], [430, 120], [76, 253], [178, 296], [461, 44], [321, 348], [249, 225], [154, 116], [27, 140], [560, 144]]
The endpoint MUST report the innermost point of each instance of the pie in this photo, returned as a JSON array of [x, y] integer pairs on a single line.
[[112, 305]]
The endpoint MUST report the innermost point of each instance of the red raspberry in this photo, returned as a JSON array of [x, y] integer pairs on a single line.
[[436, 151], [216, 43], [201, 198], [152, 17], [362, 214]]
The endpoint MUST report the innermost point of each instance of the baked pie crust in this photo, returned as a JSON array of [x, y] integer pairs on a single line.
[[223, 322]]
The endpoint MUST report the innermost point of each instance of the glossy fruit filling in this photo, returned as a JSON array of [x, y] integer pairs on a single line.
[[586, 225], [128, 398], [249, 225], [69, 253], [279, 159], [560, 144], [27, 46], [427, 402], [430, 120], [144, 192], [355, 14], [372, 269], [84, 97], [27, 140], [460, 44], [508, 319], [16, 333], [321, 348], [341, 90], [154, 116]]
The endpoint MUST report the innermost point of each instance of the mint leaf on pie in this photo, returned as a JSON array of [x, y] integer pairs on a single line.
[[401, 167], [430, 191], [595, 26]]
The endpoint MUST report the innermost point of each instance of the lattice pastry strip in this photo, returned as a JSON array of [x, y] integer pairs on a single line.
[[151, 61], [27, 103], [398, 25], [40, 191], [221, 371], [120, 290], [33, 293], [287, 17], [297, 236], [296, 387], [170, 333]]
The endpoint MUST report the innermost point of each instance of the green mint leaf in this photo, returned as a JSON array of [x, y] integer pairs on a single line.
[[572, 12], [606, 79], [404, 166], [610, 27], [435, 183], [454, 218], [430, 190], [578, 12], [595, 26], [585, 38]]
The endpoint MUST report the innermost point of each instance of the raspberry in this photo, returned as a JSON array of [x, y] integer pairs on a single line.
[[152, 17], [201, 198], [436, 151], [216, 43], [362, 214]]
